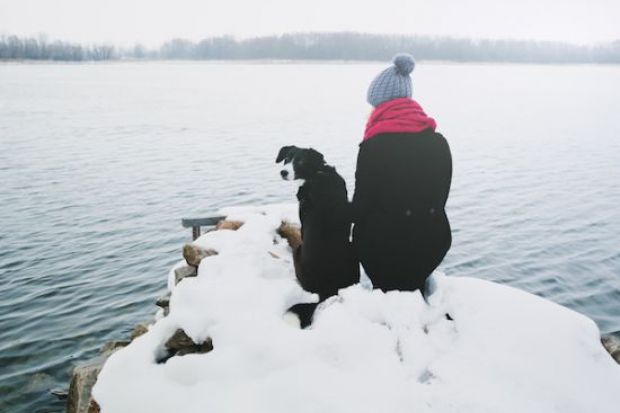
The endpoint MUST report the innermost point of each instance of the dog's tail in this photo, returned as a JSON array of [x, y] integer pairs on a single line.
[[304, 311]]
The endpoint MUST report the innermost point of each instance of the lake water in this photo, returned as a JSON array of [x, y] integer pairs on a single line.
[[99, 163]]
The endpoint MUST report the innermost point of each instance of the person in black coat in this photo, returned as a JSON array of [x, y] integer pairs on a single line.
[[404, 169]]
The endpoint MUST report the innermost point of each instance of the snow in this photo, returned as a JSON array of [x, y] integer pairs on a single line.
[[367, 351]]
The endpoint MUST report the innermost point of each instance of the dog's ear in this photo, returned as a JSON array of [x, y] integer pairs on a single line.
[[286, 154], [316, 157]]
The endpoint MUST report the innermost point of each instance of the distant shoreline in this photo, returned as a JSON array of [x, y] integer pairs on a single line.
[[320, 47], [289, 62]]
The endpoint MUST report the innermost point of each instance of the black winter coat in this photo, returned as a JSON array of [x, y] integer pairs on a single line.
[[401, 232]]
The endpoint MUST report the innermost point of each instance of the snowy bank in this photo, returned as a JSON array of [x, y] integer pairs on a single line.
[[367, 351]]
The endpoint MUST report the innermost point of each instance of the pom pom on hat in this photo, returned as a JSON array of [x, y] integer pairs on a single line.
[[392, 83], [404, 63]]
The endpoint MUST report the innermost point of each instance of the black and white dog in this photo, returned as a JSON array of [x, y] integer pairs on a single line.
[[325, 261]]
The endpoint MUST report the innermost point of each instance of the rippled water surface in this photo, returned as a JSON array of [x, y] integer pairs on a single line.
[[99, 162]]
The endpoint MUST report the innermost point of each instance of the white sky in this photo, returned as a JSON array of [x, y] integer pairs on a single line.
[[154, 21]]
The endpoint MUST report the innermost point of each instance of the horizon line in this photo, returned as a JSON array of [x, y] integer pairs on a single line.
[[240, 38]]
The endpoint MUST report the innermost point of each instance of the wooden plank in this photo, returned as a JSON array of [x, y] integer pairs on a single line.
[[201, 222]]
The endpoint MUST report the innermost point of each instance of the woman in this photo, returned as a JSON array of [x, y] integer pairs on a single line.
[[402, 181]]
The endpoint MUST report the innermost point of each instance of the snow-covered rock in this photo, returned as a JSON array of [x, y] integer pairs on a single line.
[[504, 351]]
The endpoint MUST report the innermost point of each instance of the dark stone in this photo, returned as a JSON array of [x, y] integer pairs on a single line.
[[164, 300], [138, 330], [164, 303], [84, 376], [179, 340], [205, 347], [39, 383], [82, 382], [181, 344], [93, 407], [611, 342], [112, 346], [184, 272]]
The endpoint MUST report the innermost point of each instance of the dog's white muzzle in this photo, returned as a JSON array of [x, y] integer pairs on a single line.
[[287, 172]]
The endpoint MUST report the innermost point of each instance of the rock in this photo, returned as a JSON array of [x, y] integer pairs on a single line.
[[290, 232], [112, 346], [184, 272], [164, 302], [193, 254], [200, 349], [181, 344], [611, 342], [39, 382], [82, 382], [84, 376], [138, 330], [179, 340], [93, 407], [225, 224]]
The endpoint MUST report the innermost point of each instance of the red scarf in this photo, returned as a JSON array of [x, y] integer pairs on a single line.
[[398, 115]]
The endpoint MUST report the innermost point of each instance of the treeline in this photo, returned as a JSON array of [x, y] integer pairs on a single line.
[[320, 46], [359, 46], [16, 48]]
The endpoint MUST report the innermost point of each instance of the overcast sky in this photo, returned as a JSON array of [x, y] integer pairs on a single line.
[[154, 21]]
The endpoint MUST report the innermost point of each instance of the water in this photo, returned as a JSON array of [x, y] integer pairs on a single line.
[[99, 162]]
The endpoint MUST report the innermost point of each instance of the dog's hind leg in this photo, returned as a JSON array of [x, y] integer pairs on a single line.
[[428, 289]]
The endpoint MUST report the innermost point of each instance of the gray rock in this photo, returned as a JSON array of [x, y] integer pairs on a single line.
[[79, 399], [164, 303], [193, 254], [39, 382], [93, 407], [184, 272], [164, 300], [181, 344], [611, 342], [138, 330], [82, 382], [112, 346], [179, 340]]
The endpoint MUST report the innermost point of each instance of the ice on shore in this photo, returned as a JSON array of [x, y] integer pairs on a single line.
[[367, 351]]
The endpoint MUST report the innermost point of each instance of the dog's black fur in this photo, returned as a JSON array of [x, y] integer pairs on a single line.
[[325, 262]]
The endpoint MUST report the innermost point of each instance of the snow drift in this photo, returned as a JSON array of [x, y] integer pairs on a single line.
[[367, 351]]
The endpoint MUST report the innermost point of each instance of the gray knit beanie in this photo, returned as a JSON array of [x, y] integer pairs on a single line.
[[394, 82]]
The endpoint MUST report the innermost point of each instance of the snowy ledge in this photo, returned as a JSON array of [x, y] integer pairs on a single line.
[[367, 351]]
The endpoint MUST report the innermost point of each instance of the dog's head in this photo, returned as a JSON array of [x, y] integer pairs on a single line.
[[302, 162]]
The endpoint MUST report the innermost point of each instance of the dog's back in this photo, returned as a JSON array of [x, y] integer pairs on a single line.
[[327, 260]]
